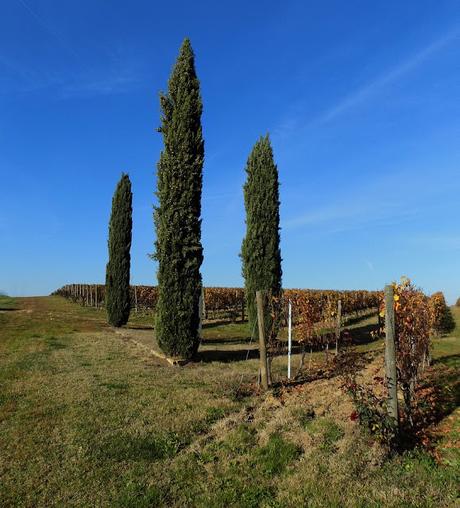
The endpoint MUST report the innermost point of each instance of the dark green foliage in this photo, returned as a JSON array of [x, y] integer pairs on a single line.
[[260, 251], [177, 217], [117, 297], [448, 323]]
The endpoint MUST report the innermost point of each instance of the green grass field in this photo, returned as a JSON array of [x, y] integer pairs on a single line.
[[89, 418]]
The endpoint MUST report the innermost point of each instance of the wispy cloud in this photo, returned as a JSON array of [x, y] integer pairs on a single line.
[[382, 201], [438, 241], [370, 265], [345, 216], [105, 86], [391, 76], [48, 28], [365, 93], [79, 78], [64, 85]]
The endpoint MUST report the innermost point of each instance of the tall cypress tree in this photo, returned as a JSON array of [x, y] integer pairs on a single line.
[[117, 272], [260, 250], [178, 215]]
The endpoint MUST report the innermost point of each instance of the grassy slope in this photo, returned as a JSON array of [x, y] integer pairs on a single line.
[[87, 418], [447, 367]]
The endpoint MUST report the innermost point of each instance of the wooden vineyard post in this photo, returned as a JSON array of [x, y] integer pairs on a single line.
[[390, 356], [203, 303], [260, 297], [339, 326], [95, 295], [135, 298], [200, 311], [289, 337]]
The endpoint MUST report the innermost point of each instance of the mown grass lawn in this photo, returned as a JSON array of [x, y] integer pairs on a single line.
[[87, 418]]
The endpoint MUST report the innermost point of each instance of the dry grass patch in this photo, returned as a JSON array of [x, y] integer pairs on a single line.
[[90, 419]]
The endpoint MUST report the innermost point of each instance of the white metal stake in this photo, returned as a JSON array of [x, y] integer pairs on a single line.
[[289, 338]]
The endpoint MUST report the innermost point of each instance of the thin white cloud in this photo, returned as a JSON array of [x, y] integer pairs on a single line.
[[389, 77], [352, 215], [118, 76], [292, 123], [110, 85], [370, 265], [48, 28], [438, 241], [381, 202]]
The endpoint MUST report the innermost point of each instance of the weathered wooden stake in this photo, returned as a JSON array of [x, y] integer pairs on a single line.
[[95, 291], [135, 299], [302, 358], [260, 297], [390, 355], [339, 326], [200, 310], [203, 303], [289, 337]]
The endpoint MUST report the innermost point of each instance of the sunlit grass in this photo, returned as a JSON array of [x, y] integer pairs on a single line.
[[89, 419]]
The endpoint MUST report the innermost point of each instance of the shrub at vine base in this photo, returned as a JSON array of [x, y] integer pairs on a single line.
[[371, 410]]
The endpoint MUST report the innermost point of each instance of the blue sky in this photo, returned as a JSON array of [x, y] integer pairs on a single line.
[[362, 101]]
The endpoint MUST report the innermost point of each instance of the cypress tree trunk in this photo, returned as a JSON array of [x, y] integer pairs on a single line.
[[260, 252], [178, 215], [117, 272]]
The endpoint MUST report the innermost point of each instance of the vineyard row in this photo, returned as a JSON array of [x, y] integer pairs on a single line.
[[312, 305]]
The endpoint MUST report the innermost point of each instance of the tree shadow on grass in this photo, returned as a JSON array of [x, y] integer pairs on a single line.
[[447, 381], [221, 322], [226, 355], [247, 351], [437, 396], [360, 335], [363, 334], [228, 340]]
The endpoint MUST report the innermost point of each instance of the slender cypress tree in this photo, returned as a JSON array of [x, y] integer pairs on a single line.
[[260, 250], [178, 215], [117, 272]]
